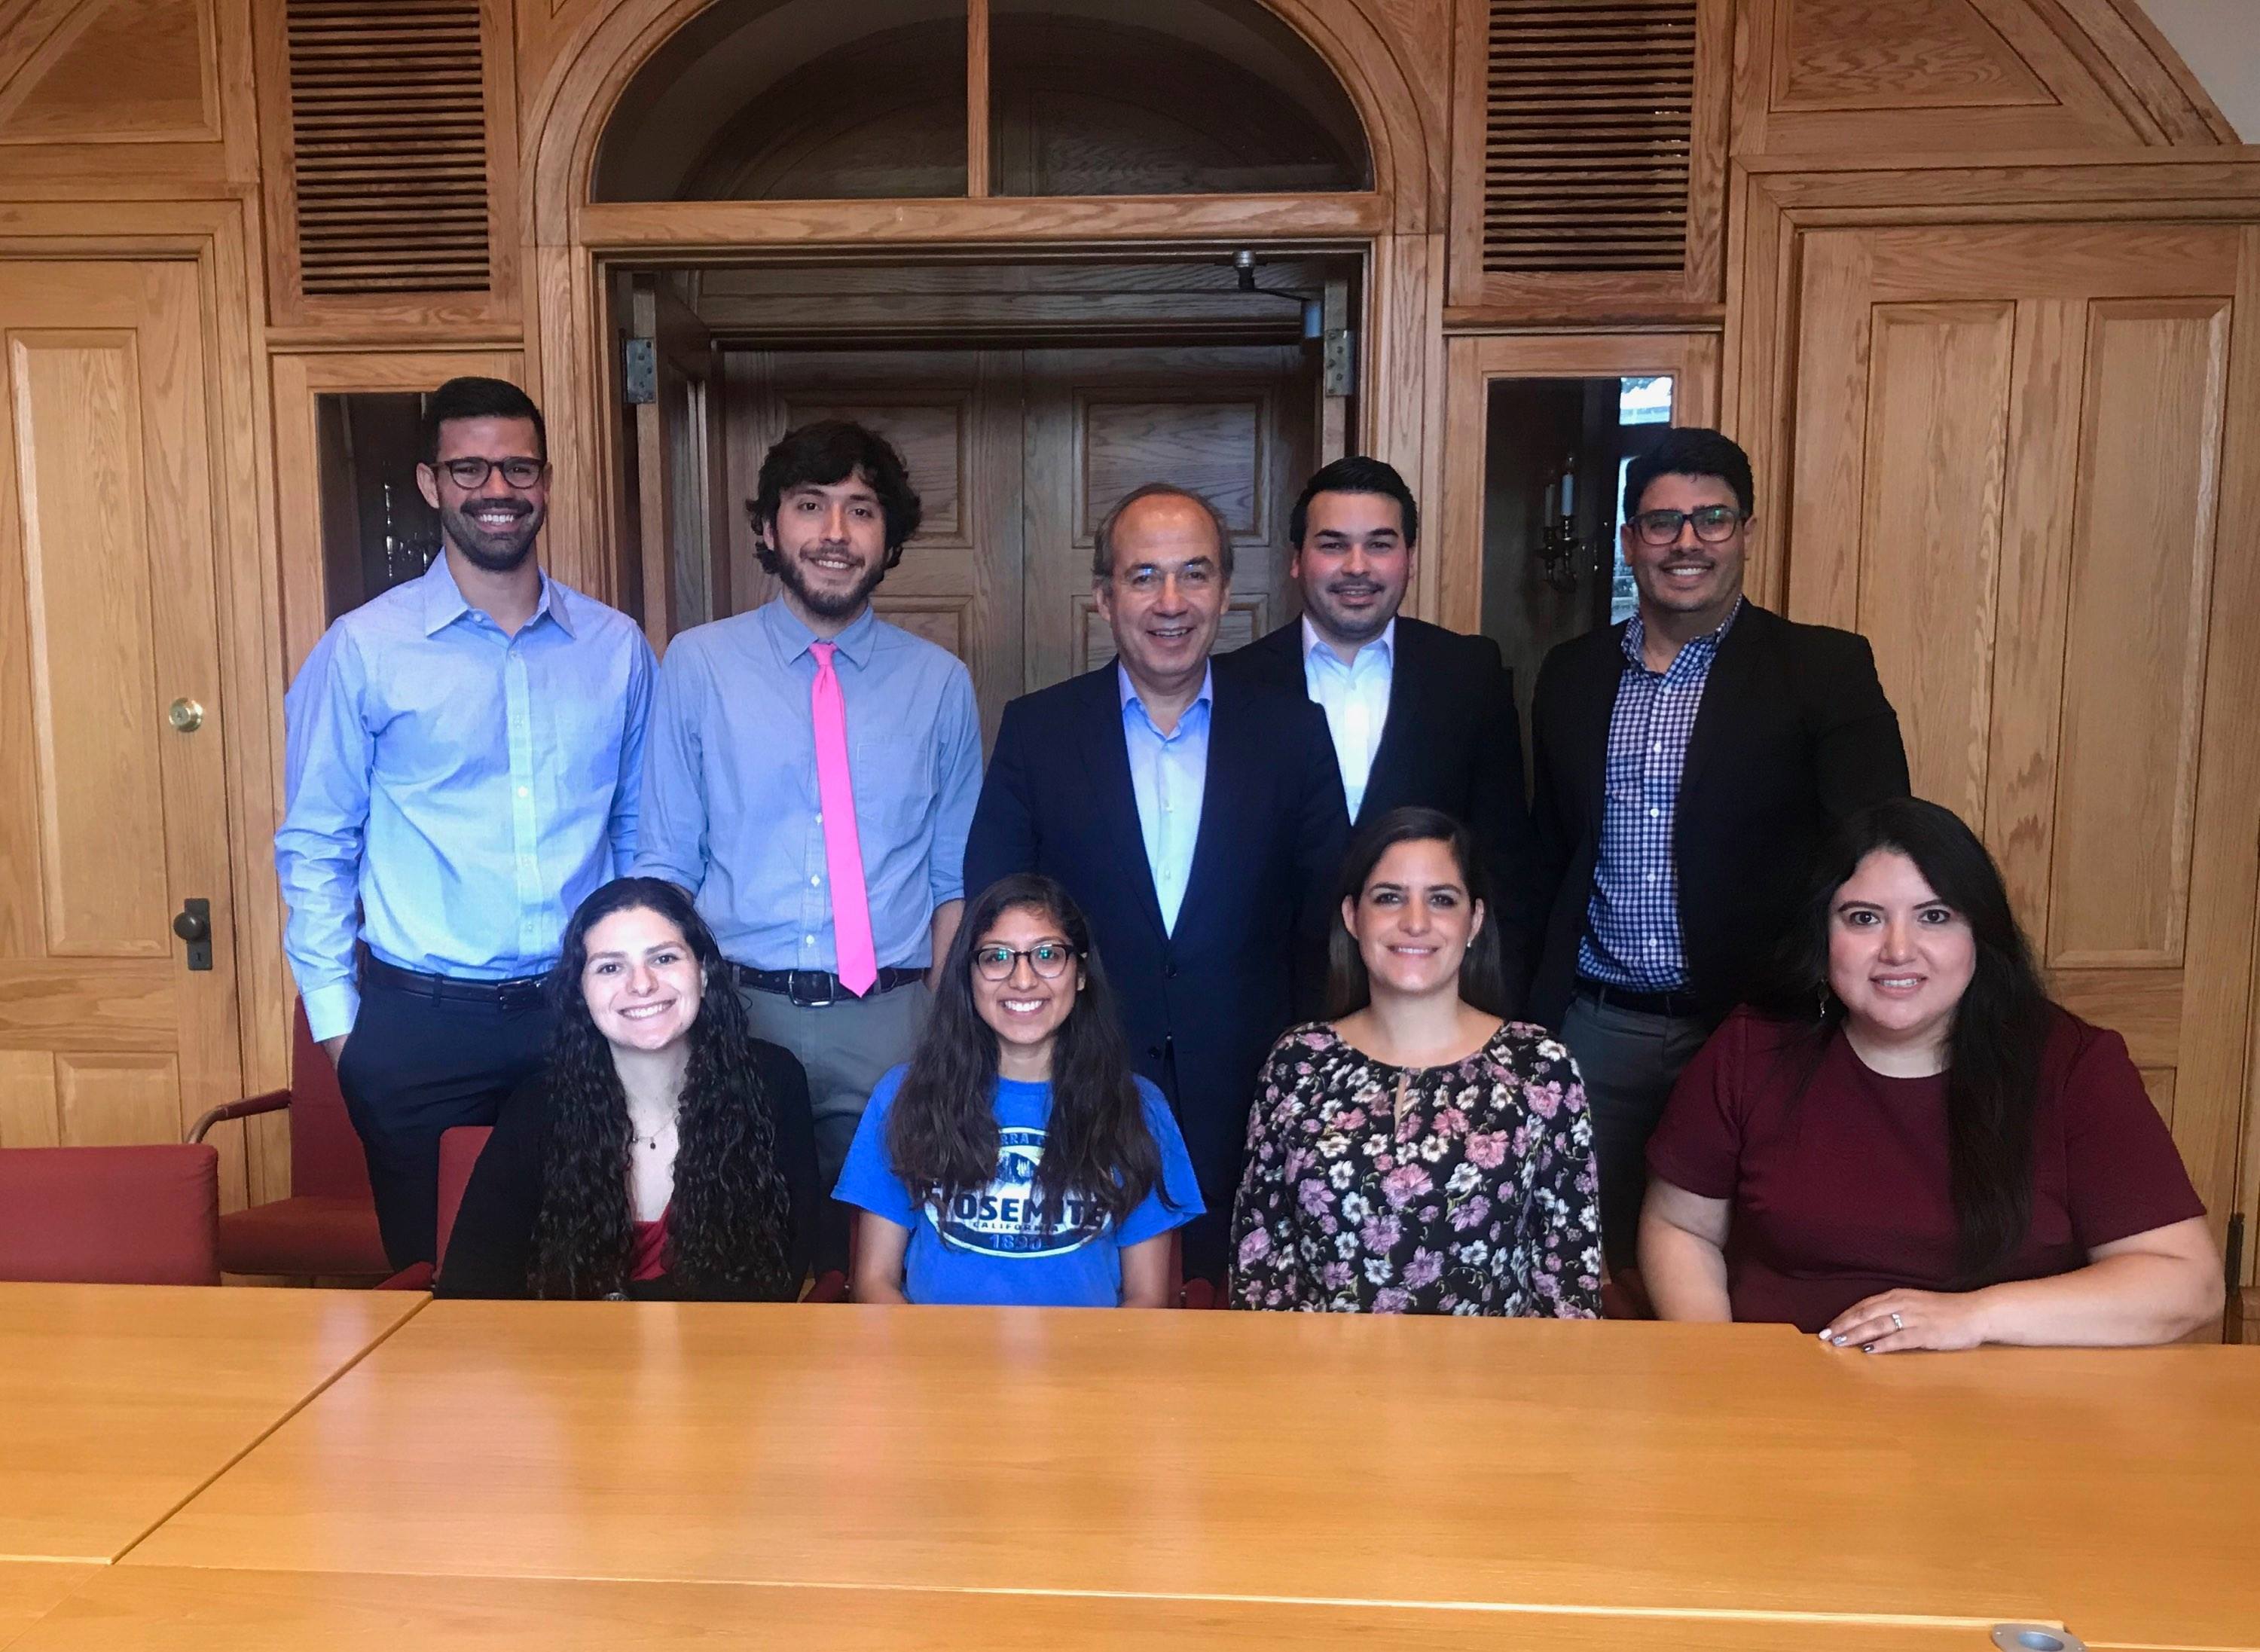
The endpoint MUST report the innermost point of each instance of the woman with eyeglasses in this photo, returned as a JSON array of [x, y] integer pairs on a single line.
[[1418, 1153], [1017, 1159]]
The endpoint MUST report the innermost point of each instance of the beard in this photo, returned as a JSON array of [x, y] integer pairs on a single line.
[[496, 551], [828, 604]]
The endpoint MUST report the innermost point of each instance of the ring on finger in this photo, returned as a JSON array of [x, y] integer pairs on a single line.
[[1897, 1324]]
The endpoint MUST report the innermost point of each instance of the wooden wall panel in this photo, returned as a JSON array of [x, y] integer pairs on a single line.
[[1936, 428], [113, 71], [111, 1100], [95, 715], [2139, 586], [28, 1114]]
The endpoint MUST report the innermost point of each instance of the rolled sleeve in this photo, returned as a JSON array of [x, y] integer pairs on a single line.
[[327, 755], [957, 787], [670, 828]]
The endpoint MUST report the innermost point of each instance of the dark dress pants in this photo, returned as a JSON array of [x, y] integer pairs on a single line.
[[416, 1065]]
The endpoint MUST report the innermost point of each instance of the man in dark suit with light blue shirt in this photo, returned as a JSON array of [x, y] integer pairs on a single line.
[[1197, 821], [811, 774]]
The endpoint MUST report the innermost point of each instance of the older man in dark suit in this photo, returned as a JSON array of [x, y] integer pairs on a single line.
[[1417, 715], [1195, 817], [1687, 764]]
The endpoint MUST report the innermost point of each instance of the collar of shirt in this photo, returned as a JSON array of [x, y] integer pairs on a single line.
[[792, 635], [444, 602], [1635, 637], [1203, 701], [1382, 648]]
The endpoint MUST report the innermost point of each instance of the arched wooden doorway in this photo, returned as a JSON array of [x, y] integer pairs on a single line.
[[683, 149]]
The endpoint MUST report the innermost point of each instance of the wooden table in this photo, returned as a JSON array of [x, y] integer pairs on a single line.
[[166, 1609], [29, 1590], [1338, 1463], [116, 1403]]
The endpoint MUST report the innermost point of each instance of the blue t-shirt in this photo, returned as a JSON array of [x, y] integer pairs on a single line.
[[994, 1246]]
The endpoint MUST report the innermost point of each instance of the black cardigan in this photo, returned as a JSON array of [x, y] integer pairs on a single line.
[[492, 1245]]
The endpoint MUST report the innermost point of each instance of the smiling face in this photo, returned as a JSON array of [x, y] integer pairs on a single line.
[[641, 982], [831, 544], [1024, 1009], [493, 524], [1415, 919], [1353, 565], [1167, 595], [1690, 576], [1899, 957]]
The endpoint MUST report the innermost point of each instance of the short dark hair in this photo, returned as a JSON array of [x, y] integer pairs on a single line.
[[1102, 542], [1483, 980], [1355, 474], [830, 451], [1690, 451], [478, 399]]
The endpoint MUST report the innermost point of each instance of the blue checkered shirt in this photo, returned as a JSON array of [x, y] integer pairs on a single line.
[[1632, 923]]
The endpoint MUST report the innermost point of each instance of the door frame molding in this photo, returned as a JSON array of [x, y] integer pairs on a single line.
[[220, 238]]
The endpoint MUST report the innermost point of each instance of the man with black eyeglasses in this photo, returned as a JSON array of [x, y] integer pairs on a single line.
[[1687, 764], [463, 759]]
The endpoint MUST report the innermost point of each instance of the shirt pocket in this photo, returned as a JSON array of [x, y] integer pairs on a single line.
[[892, 773]]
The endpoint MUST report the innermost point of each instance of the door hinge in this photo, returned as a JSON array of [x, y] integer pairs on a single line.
[[1338, 362], [639, 371]]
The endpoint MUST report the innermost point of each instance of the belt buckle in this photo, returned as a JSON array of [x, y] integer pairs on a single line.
[[519, 994], [795, 996]]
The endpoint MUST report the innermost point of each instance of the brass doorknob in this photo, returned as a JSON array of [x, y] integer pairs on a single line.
[[185, 715]]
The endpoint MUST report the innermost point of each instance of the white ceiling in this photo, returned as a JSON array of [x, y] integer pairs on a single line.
[[2219, 40]]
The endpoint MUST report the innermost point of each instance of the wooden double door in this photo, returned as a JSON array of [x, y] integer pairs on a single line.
[[2025, 463], [1018, 454]]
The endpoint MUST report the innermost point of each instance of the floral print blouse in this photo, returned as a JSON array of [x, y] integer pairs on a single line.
[[1374, 1189]]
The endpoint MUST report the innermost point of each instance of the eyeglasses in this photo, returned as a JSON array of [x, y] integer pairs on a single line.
[[1050, 958], [1714, 524], [472, 473]]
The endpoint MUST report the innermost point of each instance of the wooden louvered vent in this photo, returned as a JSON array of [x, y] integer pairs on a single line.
[[388, 125], [1589, 127]]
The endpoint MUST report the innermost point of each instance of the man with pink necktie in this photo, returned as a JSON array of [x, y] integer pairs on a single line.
[[811, 774]]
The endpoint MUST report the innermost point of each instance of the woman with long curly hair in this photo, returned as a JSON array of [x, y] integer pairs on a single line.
[[1909, 1145], [1017, 1159], [664, 1151]]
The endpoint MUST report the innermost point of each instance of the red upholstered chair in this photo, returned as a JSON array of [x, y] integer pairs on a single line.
[[327, 1227], [460, 1147], [140, 1216]]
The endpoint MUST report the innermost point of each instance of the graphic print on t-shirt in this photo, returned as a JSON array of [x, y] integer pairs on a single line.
[[1003, 1218]]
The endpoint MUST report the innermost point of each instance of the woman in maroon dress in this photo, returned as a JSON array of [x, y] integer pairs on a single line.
[[1916, 1149]]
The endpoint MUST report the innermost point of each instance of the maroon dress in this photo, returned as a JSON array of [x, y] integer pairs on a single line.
[[1839, 1181]]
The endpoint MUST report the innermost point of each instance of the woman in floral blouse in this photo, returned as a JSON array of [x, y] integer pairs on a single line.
[[1418, 1153]]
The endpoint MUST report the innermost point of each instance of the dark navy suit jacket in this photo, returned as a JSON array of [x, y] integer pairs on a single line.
[[1202, 1006]]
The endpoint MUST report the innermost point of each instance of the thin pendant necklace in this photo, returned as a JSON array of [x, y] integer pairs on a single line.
[[652, 1140]]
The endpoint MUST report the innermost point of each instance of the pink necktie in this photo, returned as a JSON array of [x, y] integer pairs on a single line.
[[843, 850]]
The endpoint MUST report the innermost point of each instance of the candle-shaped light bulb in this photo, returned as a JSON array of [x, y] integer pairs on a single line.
[[1570, 487]]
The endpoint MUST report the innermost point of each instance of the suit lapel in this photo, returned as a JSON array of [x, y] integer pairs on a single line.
[[1723, 692], [1106, 760], [1394, 751], [1220, 800], [1595, 709]]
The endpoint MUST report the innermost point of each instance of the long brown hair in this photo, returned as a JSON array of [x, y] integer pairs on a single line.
[[1483, 983]]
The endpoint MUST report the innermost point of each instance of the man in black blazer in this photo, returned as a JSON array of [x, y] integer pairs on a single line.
[[1417, 714], [1195, 818], [1688, 763]]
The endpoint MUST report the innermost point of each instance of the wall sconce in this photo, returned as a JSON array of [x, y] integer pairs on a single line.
[[1560, 549]]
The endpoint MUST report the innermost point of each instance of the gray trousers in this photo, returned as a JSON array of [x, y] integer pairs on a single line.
[[845, 1047], [1629, 1061]]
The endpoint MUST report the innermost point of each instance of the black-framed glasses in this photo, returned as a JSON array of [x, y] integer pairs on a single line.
[[1050, 958], [1714, 524], [472, 473]]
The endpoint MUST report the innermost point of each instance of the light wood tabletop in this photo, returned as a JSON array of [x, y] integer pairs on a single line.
[[29, 1590], [1351, 1461], [117, 1402], [188, 1609]]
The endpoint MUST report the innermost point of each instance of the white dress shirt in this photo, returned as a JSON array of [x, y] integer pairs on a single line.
[[1355, 699]]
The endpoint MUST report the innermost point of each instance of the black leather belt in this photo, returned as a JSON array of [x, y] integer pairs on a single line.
[[1678, 1005], [812, 989], [524, 992]]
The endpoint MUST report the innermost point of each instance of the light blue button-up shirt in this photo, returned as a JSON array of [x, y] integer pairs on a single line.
[[467, 788], [731, 810], [1169, 775], [1355, 699]]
